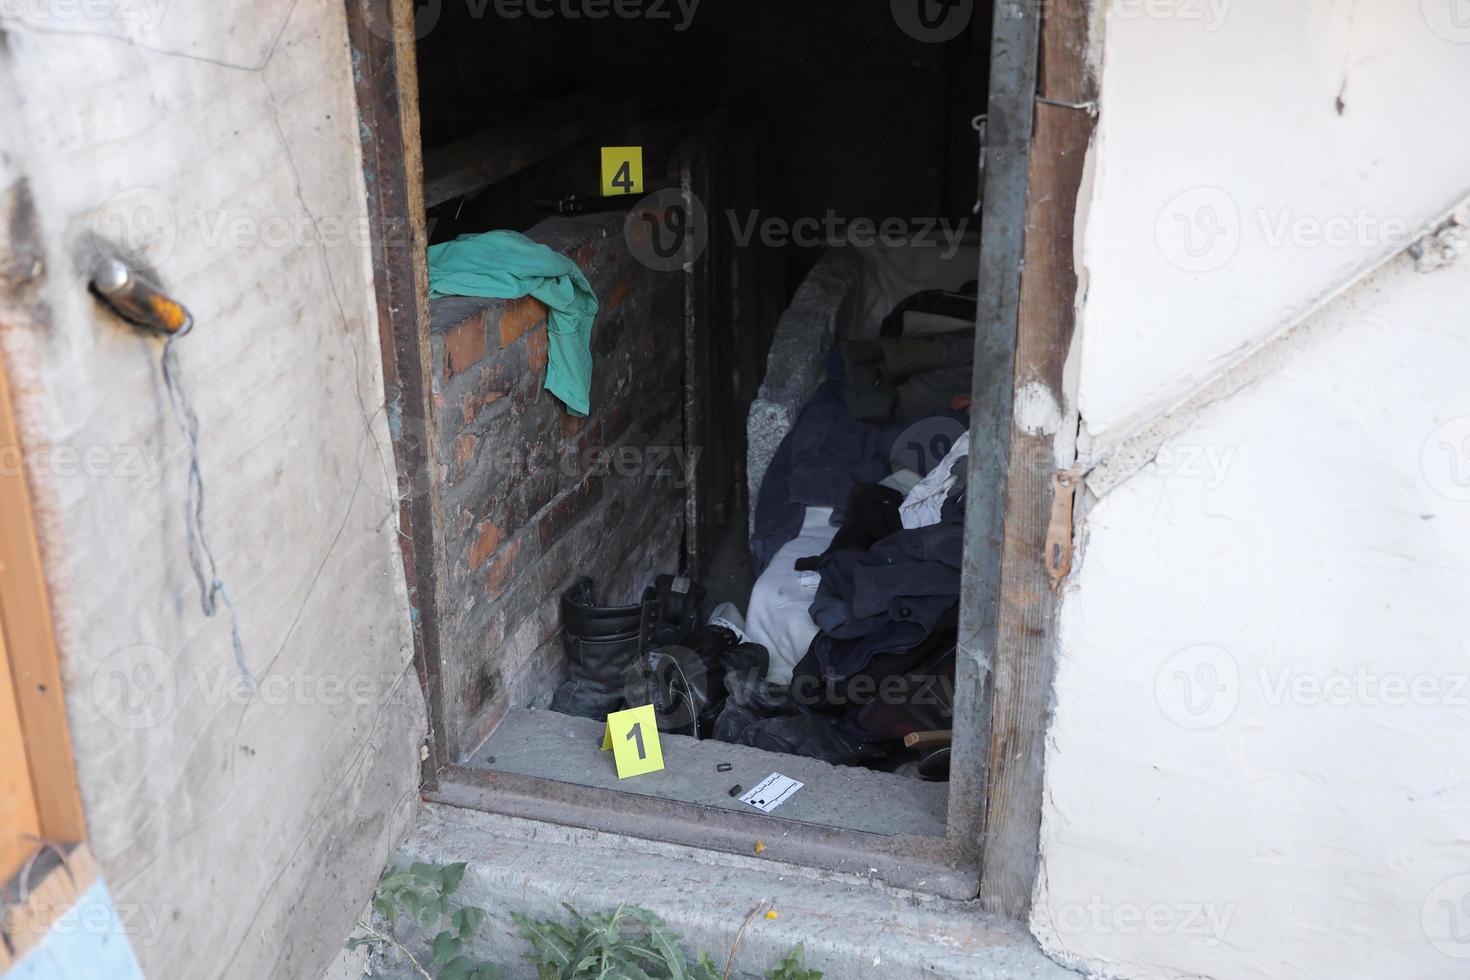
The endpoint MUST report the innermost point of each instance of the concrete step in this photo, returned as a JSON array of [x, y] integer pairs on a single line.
[[852, 928]]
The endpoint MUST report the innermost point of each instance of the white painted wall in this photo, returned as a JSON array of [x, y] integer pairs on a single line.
[[1263, 701], [1222, 115], [240, 835], [1256, 765]]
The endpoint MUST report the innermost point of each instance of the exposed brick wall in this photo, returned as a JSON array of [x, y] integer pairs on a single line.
[[535, 497]]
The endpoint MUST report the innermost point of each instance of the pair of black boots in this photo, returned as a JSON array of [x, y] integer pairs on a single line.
[[656, 652]]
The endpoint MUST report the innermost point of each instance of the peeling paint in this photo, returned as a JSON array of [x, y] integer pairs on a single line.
[[1037, 412]]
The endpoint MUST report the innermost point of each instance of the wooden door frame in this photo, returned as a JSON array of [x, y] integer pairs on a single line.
[[1040, 127], [1018, 549], [382, 39], [29, 643]]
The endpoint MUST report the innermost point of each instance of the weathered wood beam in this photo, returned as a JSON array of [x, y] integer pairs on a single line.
[[503, 151], [1037, 534], [1010, 113]]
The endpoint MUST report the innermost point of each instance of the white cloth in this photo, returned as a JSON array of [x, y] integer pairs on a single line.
[[779, 616], [922, 506], [903, 481], [891, 275], [727, 614]]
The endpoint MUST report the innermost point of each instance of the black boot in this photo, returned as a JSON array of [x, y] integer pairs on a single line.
[[602, 643], [750, 698], [685, 681]]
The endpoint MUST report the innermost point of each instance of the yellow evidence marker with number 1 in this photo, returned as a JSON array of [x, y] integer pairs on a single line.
[[633, 737], [622, 170]]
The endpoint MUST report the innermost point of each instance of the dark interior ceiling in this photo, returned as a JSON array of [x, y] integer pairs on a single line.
[[847, 111]]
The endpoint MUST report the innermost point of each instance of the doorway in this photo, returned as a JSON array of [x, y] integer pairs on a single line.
[[767, 117]]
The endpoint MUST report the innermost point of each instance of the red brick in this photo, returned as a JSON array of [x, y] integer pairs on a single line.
[[586, 255], [620, 292], [495, 632], [536, 349], [561, 516], [464, 450], [527, 394], [502, 568], [476, 401], [464, 345], [536, 489], [578, 439], [617, 423], [495, 382], [485, 545], [521, 315]]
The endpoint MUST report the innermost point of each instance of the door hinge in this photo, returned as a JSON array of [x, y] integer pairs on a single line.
[[1059, 528]]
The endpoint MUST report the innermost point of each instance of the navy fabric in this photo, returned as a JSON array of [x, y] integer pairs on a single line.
[[824, 456], [892, 597], [826, 445], [870, 516]]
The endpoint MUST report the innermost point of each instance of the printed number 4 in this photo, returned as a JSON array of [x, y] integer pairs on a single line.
[[637, 733], [624, 179]]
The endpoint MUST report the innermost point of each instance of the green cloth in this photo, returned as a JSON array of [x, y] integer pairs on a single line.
[[508, 265]]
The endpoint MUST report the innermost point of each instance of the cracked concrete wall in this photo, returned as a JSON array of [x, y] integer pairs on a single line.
[[1252, 160], [1255, 766], [1252, 765], [218, 145]]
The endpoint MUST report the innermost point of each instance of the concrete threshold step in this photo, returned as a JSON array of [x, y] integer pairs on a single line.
[[566, 749], [851, 928]]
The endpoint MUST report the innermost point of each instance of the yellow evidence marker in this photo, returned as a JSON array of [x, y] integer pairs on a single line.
[[633, 737], [622, 170]]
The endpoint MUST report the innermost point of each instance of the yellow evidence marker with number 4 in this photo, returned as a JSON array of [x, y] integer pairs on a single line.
[[633, 737], [622, 170]]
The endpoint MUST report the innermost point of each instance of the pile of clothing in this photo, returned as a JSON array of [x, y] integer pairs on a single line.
[[849, 641], [884, 608]]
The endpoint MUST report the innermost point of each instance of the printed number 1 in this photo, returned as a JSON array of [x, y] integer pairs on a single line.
[[637, 733]]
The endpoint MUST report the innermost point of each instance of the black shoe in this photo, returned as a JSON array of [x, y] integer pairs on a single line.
[[750, 698], [603, 643], [685, 682], [825, 737], [734, 721]]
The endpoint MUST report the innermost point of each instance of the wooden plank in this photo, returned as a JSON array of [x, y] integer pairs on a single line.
[[20, 821], [387, 96], [915, 740], [25, 611], [503, 151], [1011, 114], [1025, 651]]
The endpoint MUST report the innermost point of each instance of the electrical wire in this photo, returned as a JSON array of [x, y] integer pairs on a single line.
[[201, 555]]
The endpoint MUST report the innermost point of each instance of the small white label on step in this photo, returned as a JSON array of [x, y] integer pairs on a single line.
[[774, 790], [680, 586]]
